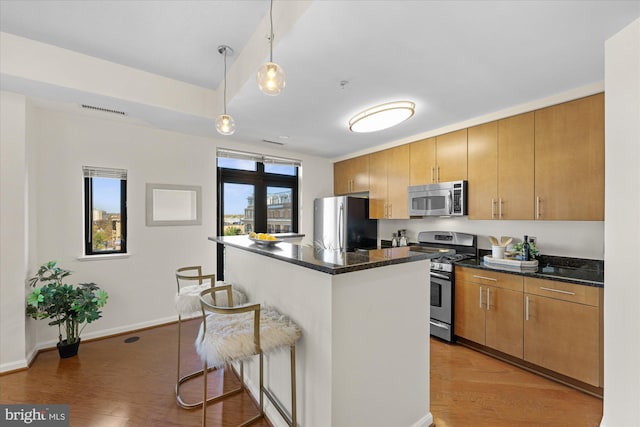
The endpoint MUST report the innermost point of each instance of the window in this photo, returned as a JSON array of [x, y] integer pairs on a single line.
[[105, 210], [255, 193]]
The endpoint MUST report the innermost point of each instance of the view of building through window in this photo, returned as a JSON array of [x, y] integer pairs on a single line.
[[106, 225], [239, 206]]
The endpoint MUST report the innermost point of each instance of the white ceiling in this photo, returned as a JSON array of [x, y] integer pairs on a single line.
[[455, 59]]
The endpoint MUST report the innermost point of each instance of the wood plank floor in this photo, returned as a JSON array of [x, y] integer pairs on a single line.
[[472, 389], [114, 384]]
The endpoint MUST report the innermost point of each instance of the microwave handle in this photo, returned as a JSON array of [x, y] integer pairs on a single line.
[[450, 200]]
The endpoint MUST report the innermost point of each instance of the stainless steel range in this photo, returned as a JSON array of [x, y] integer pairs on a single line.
[[446, 247]]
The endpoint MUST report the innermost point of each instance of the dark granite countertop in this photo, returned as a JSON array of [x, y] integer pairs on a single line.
[[585, 272], [326, 261]]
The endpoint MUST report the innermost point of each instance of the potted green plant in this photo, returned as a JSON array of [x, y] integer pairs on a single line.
[[71, 308], [533, 251]]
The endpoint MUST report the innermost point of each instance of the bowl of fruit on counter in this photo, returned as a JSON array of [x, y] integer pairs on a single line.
[[264, 239]]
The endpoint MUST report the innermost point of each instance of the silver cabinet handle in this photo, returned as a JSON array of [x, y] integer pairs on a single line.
[[493, 215], [432, 174], [438, 174], [500, 208], [557, 290], [526, 308], [537, 207], [488, 299], [485, 278], [480, 296], [439, 325], [390, 210]]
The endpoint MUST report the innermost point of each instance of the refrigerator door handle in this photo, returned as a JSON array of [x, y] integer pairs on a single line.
[[341, 227]]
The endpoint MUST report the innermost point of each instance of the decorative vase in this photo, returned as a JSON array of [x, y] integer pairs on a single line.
[[68, 350]]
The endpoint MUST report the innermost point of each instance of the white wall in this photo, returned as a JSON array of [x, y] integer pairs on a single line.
[[32, 212], [141, 287], [579, 239], [622, 230], [13, 229]]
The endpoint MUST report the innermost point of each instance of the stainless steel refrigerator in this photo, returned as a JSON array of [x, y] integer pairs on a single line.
[[342, 223]]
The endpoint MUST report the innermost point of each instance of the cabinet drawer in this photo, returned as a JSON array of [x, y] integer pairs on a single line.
[[588, 295], [490, 278]]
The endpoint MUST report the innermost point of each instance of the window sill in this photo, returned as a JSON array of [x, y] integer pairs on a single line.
[[103, 257]]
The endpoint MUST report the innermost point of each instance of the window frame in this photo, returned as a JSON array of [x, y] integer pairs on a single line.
[[88, 217], [261, 180]]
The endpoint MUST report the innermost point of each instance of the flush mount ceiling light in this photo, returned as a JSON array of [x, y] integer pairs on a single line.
[[270, 75], [225, 124], [382, 116]]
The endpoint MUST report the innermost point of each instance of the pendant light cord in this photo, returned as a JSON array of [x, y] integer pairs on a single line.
[[225, 81], [271, 33]]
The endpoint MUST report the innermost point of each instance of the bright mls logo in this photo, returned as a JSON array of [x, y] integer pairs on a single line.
[[34, 415]]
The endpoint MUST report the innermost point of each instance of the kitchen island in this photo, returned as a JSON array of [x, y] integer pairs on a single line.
[[363, 359]]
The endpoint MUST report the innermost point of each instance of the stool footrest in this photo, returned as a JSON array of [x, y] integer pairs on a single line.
[[195, 405]]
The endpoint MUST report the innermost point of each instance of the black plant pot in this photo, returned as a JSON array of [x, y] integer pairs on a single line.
[[68, 350]]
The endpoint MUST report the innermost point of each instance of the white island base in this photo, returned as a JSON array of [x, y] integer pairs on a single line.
[[363, 359]]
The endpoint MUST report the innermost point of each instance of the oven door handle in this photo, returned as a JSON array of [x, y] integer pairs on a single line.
[[440, 276], [439, 325]]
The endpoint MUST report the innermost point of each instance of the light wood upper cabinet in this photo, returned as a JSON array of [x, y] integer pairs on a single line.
[[422, 162], [516, 167], [377, 185], [569, 160], [547, 165], [483, 171], [439, 159], [563, 329], [388, 182], [501, 169], [351, 176], [451, 156]]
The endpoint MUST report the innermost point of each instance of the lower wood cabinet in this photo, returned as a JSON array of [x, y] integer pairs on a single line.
[[489, 309], [563, 329], [553, 325]]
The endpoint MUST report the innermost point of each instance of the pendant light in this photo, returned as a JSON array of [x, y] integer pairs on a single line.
[[225, 124], [270, 75]]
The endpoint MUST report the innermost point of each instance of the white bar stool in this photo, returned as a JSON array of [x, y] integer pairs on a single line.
[[229, 334], [191, 282]]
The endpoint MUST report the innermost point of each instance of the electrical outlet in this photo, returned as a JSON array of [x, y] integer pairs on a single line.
[[532, 239]]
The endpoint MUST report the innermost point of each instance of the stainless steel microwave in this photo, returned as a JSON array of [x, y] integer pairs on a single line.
[[441, 199]]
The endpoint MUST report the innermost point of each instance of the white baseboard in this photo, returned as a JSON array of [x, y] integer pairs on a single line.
[[12, 366], [425, 421]]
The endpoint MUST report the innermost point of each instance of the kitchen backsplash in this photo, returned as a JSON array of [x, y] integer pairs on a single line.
[[580, 239]]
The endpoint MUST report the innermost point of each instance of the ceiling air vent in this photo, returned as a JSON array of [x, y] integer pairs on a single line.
[[272, 142], [104, 110]]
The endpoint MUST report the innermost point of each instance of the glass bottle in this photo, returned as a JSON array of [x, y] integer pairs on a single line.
[[394, 241], [526, 253]]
